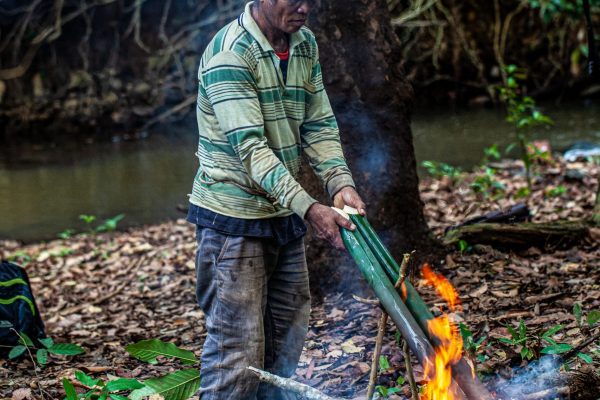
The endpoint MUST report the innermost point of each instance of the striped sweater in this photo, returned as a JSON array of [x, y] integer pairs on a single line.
[[254, 127]]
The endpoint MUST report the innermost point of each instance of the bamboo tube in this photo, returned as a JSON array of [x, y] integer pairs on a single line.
[[391, 302], [461, 371]]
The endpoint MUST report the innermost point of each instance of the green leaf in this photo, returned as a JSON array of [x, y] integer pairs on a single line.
[[16, 352], [42, 356], [123, 384], [552, 331], [180, 385], [522, 330], [400, 381], [47, 342], [148, 350], [384, 363], [66, 349], [25, 340], [382, 390], [593, 317], [86, 380], [557, 348], [139, 394], [512, 331], [585, 357], [114, 396], [577, 312], [394, 390], [69, 389], [506, 340]]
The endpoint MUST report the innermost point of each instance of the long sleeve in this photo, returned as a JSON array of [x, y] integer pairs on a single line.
[[321, 139], [231, 88]]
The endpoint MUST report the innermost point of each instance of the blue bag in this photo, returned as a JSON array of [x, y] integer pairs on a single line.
[[18, 310]]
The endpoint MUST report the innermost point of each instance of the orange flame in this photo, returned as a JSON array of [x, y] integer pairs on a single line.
[[449, 350], [442, 286]]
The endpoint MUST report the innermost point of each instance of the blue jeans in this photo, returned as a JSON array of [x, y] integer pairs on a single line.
[[255, 296]]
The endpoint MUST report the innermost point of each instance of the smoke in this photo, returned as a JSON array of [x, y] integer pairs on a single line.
[[538, 376]]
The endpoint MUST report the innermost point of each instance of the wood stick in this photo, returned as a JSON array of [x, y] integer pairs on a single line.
[[376, 353], [306, 391], [381, 331]]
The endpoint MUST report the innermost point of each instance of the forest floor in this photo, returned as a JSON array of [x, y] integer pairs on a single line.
[[104, 291]]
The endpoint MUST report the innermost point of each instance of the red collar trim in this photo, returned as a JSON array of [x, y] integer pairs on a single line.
[[283, 56]]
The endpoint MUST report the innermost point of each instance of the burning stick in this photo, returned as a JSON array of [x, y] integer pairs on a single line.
[[303, 390], [372, 258]]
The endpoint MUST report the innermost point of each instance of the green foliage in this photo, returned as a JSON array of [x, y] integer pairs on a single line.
[[87, 219], [148, 350], [522, 113], [491, 154], [42, 354], [471, 346], [591, 318], [463, 245], [20, 257], [553, 8], [556, 191], [110, 224], [179, 385], [531, 345], [98, 389], [386, 391], [487, 185], [384, 363], [66, 234], [439, 170]]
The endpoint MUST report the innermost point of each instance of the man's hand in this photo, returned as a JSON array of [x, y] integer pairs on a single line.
[[326, 222], [348, 197]]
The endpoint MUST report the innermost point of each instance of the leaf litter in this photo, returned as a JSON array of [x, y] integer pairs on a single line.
[[113, 289]]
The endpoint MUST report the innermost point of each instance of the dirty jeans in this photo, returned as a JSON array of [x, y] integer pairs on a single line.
[[255, 296]]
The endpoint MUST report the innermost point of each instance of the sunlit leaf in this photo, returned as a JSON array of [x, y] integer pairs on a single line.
[[557, 348], [148, 350]]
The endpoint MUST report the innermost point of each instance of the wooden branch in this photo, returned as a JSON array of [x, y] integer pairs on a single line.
[[523, 235], [306, 391], [376, 353]]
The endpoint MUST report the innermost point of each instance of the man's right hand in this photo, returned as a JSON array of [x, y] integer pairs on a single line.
[[326, 222]]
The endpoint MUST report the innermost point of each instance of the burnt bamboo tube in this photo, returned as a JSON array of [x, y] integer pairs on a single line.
[[461, 371], [391, 301]]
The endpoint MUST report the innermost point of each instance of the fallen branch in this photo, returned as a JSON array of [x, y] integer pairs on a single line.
[[306, 391], [523, 235]]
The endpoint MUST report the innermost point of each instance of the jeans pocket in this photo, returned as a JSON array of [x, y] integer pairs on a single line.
[[224, 248]]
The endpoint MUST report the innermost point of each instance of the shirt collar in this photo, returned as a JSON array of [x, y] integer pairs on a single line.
[[249, 24]]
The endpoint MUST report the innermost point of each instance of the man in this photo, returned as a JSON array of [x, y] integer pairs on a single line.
[[261, 102]]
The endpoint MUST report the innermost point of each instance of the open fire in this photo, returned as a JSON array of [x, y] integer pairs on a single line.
[[449, 350]]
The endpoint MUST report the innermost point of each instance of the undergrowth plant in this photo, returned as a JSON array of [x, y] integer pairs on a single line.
[[439, 170], [523, 114], [42, 354], [178, 385], [531, 345]]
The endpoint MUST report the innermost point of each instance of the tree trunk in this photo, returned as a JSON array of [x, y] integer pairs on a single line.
[[372, 99]]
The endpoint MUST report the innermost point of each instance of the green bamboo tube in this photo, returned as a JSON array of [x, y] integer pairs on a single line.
[[472, 386], [391, 301]]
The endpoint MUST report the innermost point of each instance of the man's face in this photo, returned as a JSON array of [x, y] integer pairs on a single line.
[[287, 15]]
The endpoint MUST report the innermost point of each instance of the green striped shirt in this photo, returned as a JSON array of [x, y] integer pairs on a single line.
[[254, 127]]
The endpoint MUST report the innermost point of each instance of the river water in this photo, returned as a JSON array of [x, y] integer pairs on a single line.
[[44, 188]]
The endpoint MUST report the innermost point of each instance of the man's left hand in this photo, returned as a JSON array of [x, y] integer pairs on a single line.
[[348, 197]]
